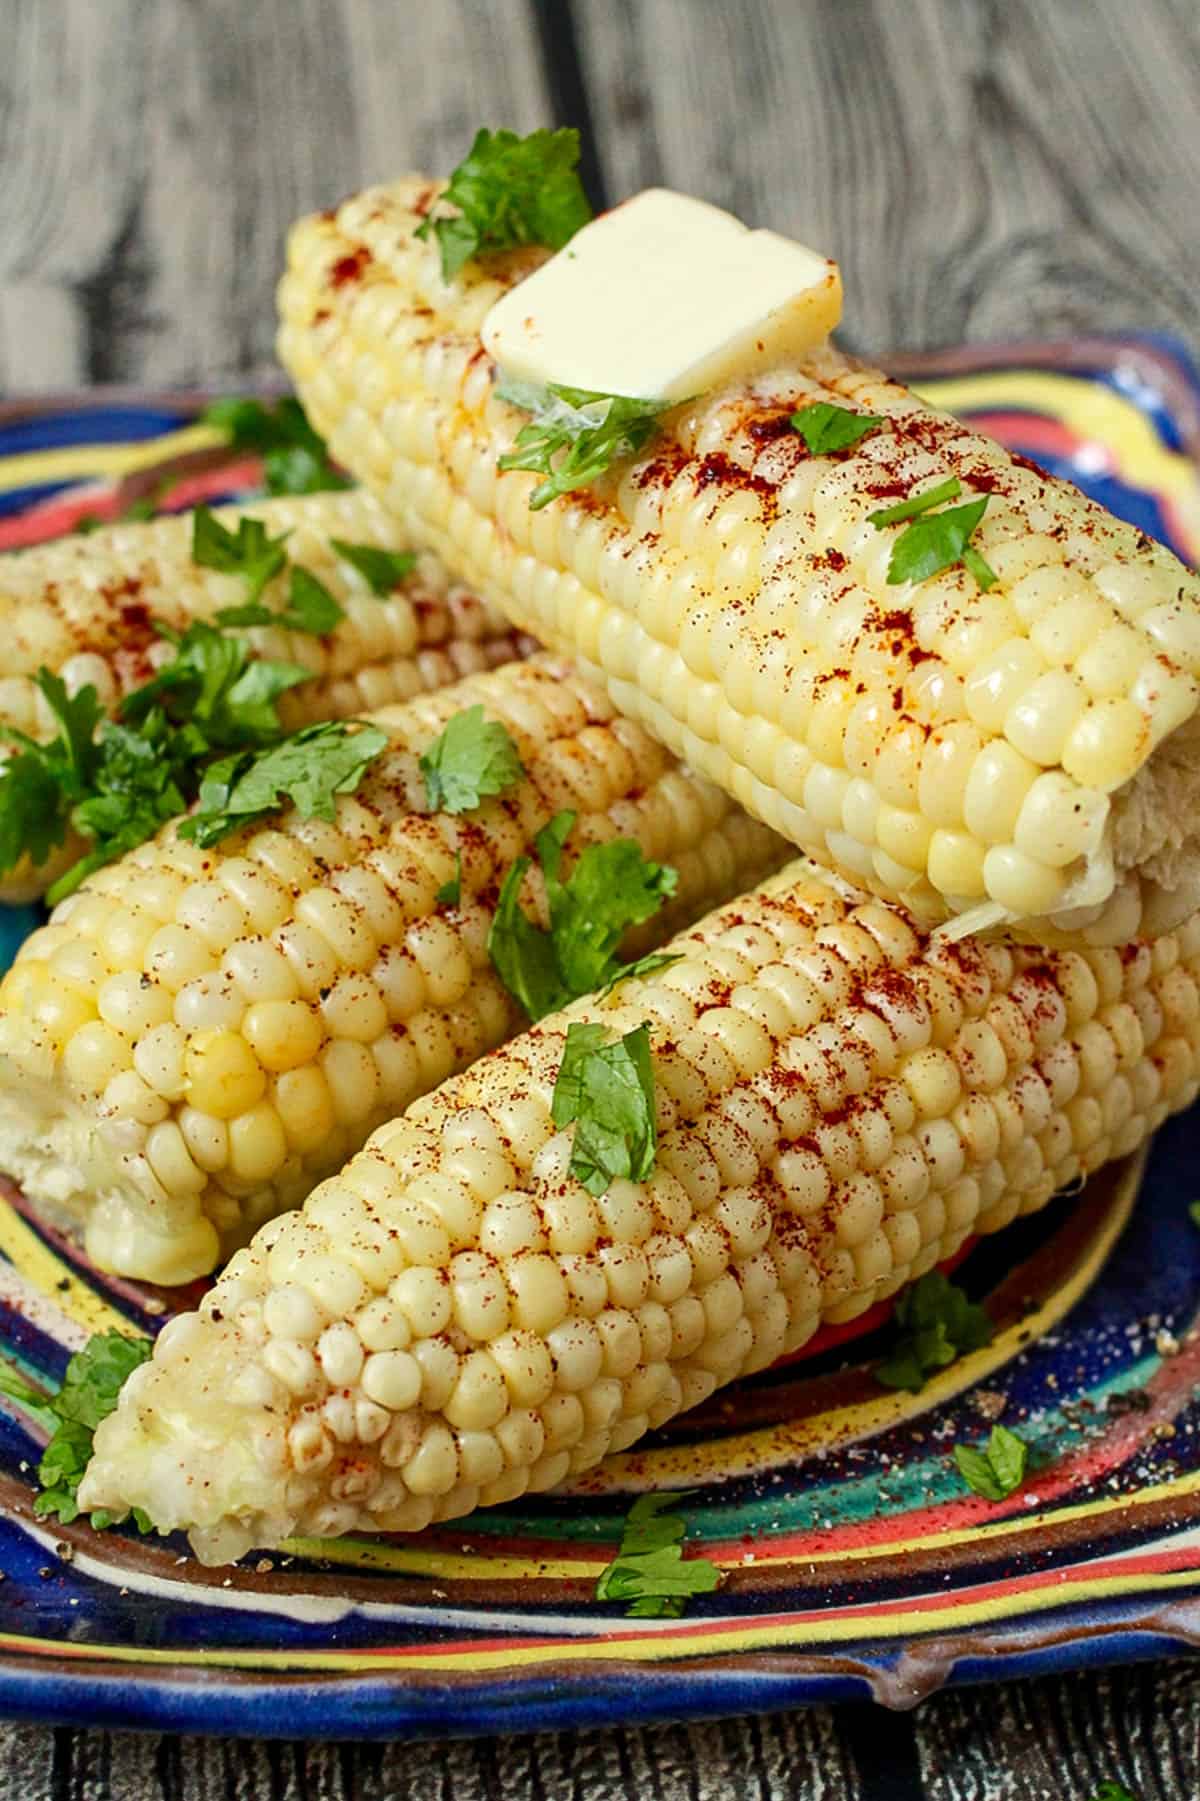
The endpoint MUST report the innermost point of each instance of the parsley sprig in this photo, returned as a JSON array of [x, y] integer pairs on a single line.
[[937, 1324], [510, 190], [611, 888], [607, 1092], [93, 1381], [295, 460], [382, 570], [575, 435], [935, 540], [997, 1471], [826, 428], [311, 768], [473, 757], [649, 1571]]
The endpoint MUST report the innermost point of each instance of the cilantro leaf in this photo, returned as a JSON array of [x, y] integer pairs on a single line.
[[249, 552], [472, 758], [650, 1571], [39, 784], [311, 607], [450, 893], [607, 1092], [92, 1383], [510, 190], [937, 1324], [939, 541], [998, 1471], [584, 431], [611, 888], [916, 504], [382, 570], [826, 428], [1113, 1791], [214, 686], [295, 460], [311, 768], [135, 788]]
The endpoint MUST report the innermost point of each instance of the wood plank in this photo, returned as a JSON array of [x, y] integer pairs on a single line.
[[982, 168], [155, 152]]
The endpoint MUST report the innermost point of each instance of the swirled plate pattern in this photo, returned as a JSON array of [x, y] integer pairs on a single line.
[[854, 1561]]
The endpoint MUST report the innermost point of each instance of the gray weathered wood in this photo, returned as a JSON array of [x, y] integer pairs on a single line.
[[981, 167], [155, 152]]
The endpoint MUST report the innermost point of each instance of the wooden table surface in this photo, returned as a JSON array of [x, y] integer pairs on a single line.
[[982, 168]]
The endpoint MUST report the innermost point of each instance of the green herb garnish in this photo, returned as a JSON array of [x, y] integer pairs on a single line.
[[295, 460], [641, 966], [450, 893], [310, 608], [383, 570], [93, 1381], [607, 1092], [937, 1324], [611, 888], [826, 428], [575, 435], [311, 768], [997, 1472], [649, 1570], [249, 551], [935, 541], [471, 759], [917, 504], [118, 780], [510, 190], [1113, 1791]]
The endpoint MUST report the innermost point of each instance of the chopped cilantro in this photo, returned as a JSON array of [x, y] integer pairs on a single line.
[[607, 1092], [649, 1570], [998, 1471], [510, 190], [93, 1381], [311, 768], [585, 432], [249, 551], [917, 504], [826, 428], [612, 887], [450, 893], [472, 758], [935, 541], [937, 1323], [642, 966], [295, 460], [383, 570], [310, 607], [1113, 1791], [215, 689]]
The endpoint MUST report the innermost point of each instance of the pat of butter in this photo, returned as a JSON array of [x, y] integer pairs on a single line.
[[662, 298]]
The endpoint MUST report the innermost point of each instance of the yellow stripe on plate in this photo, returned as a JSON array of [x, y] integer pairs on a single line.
[[40, 1266], [615, 1646], [78, 462]]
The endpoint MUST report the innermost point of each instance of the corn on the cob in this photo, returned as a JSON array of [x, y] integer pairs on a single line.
[[85, 607], [199, 1036], [454, 1319], [1029, 754]]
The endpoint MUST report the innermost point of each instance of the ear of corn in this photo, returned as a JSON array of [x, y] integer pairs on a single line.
[[198, 1036], [85, 607], [1026, 755], [454, 1319]]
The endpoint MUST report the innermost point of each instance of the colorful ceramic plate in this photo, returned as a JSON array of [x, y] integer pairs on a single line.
[[855, 1561]]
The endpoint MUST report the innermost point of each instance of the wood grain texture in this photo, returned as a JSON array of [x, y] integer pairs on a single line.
[[155, 152], [982, 167]]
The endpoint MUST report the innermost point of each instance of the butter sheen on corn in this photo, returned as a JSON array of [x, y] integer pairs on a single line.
[[453, 1320], [1027, 756], [197, 1037]]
